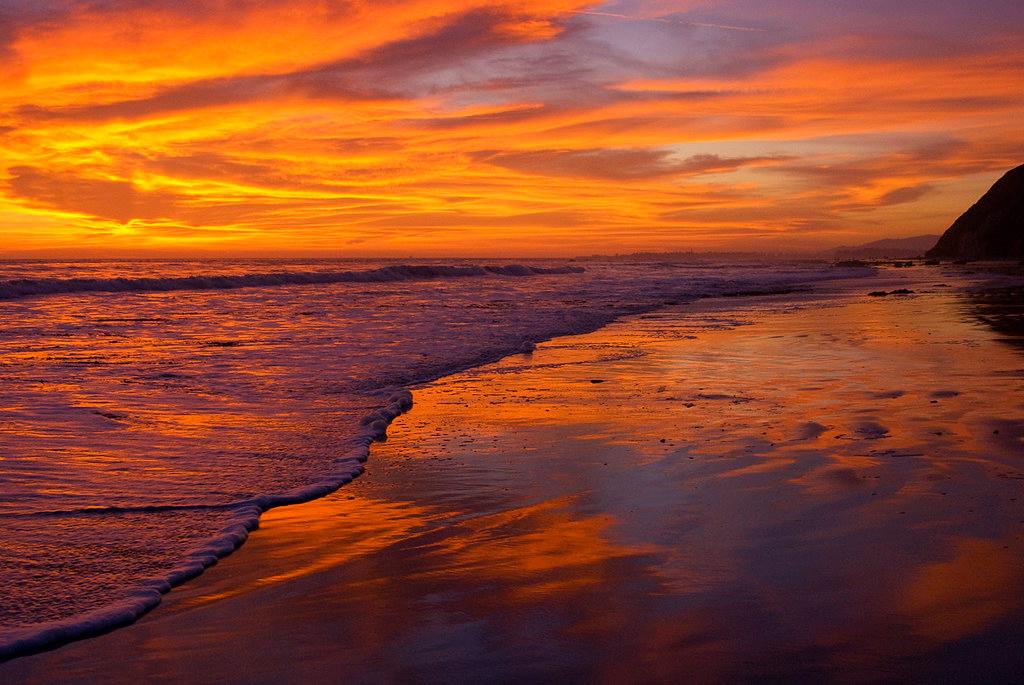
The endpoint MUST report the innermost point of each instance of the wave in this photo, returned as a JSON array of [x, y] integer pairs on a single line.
[[246, 513], [31, 287], [52, 634]]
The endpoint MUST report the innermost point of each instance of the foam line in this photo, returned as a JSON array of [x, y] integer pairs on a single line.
[[32, 287], [50, 635]]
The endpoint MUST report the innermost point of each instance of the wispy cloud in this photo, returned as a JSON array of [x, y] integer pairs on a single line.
[[671, 20], [484, 126]]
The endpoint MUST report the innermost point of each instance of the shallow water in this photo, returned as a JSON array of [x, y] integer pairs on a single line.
[[813, 489], [144, 425]]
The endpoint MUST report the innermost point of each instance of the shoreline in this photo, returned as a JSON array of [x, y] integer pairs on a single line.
[[721, 303], [148, 595], [238, 580]]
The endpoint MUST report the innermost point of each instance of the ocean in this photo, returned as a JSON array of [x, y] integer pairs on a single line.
[[152, 410]]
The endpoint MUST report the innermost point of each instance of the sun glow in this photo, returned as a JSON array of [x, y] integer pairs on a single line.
[[487, 128]]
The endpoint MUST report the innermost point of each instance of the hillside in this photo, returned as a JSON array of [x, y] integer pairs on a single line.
[[889, 248], [993, 228]]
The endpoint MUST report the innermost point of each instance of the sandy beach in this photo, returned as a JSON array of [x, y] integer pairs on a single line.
[[803, 487], [511, 341]]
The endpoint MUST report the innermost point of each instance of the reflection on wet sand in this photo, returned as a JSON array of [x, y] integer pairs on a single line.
[[1003, 310], [804, 491], [979, 584]]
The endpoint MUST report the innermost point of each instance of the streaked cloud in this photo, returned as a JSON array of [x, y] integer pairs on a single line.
[[413, 126], [613, 164]]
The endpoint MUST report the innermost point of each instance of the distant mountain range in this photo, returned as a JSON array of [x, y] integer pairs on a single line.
[[889, 248], [993, 229]]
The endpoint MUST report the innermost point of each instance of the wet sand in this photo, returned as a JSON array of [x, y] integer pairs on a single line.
[[787, 488]]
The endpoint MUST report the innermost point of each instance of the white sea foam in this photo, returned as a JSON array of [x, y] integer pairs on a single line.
[[245, 516], [29, 287]]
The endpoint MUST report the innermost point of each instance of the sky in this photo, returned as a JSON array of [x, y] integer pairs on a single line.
[[498, 127]]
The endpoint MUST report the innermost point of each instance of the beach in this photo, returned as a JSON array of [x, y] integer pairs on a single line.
[[505, 341], [155, 409], [821, 485]]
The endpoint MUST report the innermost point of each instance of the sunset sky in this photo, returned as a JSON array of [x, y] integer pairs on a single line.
[[465, 127]]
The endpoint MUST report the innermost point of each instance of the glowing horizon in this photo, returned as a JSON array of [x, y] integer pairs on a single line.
[[483, 128]]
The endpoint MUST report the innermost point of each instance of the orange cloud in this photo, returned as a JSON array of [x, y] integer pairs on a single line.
[[488, 128]]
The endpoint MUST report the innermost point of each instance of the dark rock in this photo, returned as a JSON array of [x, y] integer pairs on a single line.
[[992, 229]]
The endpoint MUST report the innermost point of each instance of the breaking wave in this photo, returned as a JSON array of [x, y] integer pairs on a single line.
[[18, 288], [245, 516]]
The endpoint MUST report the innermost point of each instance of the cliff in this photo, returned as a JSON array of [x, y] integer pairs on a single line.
[[993, 228]]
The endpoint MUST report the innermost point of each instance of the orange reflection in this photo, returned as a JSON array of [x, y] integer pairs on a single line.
[[537, 551], [822, 485], [979, 585], [332, 531]]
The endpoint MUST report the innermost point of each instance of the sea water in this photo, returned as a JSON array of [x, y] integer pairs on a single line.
[[151, 410]]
